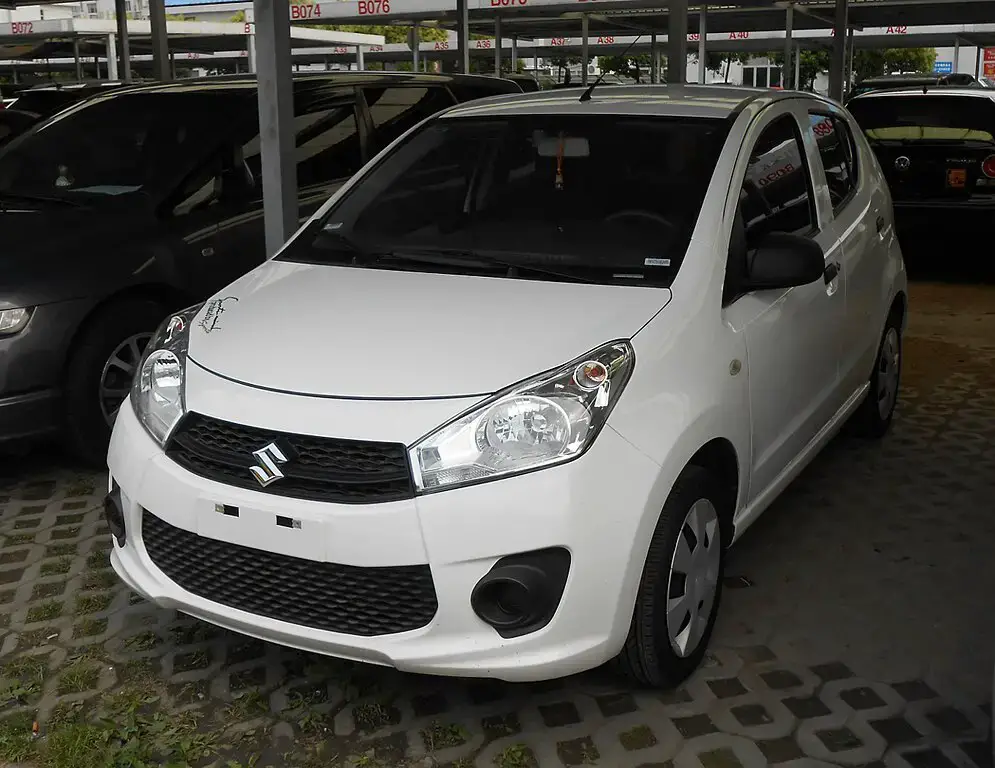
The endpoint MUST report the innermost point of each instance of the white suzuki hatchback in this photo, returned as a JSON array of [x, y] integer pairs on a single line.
[[502, 404]]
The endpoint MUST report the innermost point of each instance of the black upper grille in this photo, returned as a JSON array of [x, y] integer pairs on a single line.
[[318, 469], [336, 598]]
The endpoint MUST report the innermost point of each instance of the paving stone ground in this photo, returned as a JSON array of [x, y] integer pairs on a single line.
[[857, 627]]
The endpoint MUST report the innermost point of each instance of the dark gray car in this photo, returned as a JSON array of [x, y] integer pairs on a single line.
[[138, 202]]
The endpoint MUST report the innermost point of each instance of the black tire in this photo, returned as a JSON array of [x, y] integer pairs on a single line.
[[870, 421], [86, 429], [648, 658]]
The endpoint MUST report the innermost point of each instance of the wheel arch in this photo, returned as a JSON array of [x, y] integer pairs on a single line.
[[900, 308], [718, 457]]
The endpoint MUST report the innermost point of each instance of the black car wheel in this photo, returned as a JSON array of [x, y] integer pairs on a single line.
[[98, 376]]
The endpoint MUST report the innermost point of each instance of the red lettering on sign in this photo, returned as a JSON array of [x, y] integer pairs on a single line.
[[484, 43], [739, 35], [606, 40], [559, 40], [694, 37], [902, 30], [374, 7], [776, 174], [248, 28], [507, 3], [823, 128], [22, 27], [442, 45]]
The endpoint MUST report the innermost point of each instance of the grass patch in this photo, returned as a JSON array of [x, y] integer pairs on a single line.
[[89, 628], [98, 560], [100, 580], [19, 538], [43, 591], [26, 675], [45, 612], [516, 756], [249, 705], [60, 550], [373, 715], [144, 641], [440, 736], [16, 741], [81, 486], [56, 567], [78, 677], [93, 603]]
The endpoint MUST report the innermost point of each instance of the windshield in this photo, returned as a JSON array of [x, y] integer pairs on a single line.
[[116, 146], [609, 199], [926, 118]]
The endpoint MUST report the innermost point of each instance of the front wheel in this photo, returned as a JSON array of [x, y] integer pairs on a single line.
[[681, 586], [100, 371]]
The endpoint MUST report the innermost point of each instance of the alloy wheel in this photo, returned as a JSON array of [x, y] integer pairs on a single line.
[[694, 577], [118, 373], [889, 366]]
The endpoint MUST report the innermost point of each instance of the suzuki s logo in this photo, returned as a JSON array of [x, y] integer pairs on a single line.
[[902, 163], [270, 458]]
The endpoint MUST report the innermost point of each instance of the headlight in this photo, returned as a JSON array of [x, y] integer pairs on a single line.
[[547, 420], [13, 320], [157, 392]]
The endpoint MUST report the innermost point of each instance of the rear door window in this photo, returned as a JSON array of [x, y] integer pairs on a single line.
[[836, 151], [396, 109], [926, 118]]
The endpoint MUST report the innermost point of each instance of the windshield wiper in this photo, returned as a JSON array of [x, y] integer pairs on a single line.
[[7, 196], [469, 258]]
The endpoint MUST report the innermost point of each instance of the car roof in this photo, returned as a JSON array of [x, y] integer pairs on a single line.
[[939, 90], [342, 77], [706, 101]]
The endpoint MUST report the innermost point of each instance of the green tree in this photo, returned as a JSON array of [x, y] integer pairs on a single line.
[[810, 64], [881, 62], [632, 67]]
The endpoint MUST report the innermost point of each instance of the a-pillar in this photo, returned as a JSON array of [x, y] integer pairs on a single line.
[[498, 42], [702, 44], [160, 42], [124, 54], [278, 168], [837, 59], [677, 42], [111, 58], [584, 48], [786, 69]]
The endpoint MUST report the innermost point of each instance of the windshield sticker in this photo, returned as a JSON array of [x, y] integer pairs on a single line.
[[212, 314], [656, 262]]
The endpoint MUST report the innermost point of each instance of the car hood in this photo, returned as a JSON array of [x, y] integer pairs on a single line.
[[384, 334]]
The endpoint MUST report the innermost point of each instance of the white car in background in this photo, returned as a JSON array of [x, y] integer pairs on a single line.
[[502, 405]]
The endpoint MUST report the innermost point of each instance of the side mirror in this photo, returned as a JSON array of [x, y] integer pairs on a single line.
[[782, 260]]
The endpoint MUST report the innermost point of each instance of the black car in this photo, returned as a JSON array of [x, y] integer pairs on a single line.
[[937, 149], [126, 207]]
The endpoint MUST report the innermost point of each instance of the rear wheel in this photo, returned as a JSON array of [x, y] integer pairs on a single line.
[[99, 374], [681, 586], [873, 418]]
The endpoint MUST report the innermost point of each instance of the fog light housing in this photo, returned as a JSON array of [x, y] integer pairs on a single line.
[[520, 593], [114, 515]]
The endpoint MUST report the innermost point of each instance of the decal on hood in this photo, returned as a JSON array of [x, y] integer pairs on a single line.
[[212, 313]]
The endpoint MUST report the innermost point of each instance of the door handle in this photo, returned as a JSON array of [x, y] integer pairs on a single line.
[[831, 272], [880, 224]]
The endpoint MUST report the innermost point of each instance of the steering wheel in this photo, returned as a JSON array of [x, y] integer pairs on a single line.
[[639, 213]]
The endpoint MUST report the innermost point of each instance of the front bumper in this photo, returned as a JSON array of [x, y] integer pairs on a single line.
[[596, 507]]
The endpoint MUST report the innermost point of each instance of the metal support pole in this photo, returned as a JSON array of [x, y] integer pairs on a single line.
[[851, 50], [278, 167], [160, 43], [798, 66], [498, 42], [79, 64], [789, 17], [837, 60], [654, 60], [111, 58], [514, 53], [584, 54], [360, 58], [463, 35], [124, 53], [702, 47], [977, 61], [956, 67], [415, 40], [677, 42]]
